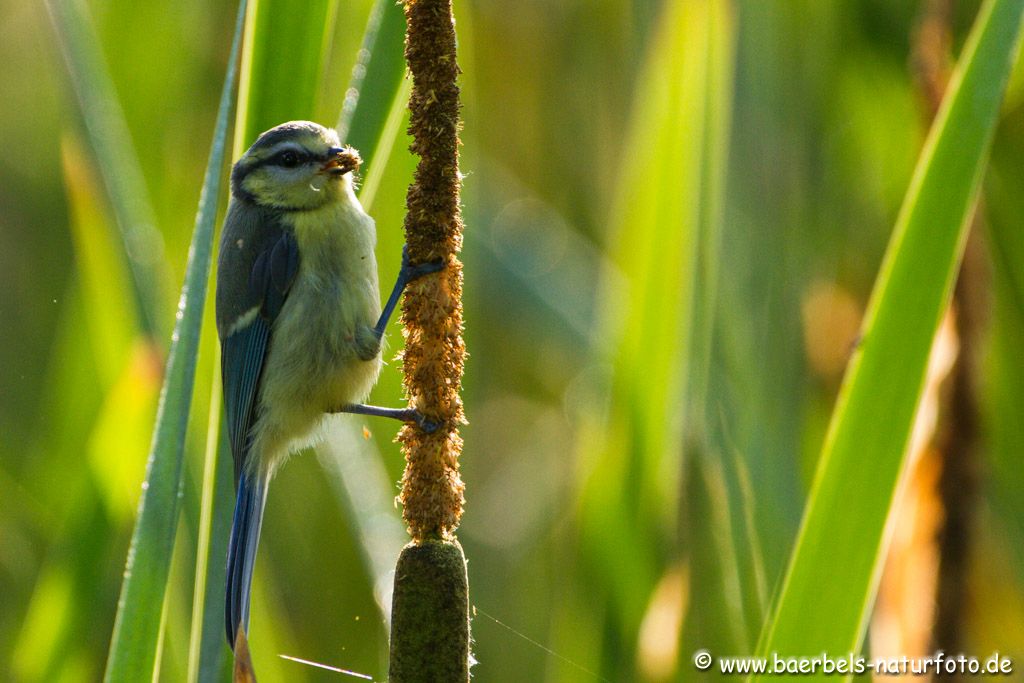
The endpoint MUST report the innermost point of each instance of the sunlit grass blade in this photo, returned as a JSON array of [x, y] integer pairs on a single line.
[[720, 548], [830, 584], [377, 97], [674, 162], [136, 629], [129, 368], [208, 651], [101, 270], [110, 141], [397, 120], [129, 371], [273, 88], [656, 231], [376, 77]]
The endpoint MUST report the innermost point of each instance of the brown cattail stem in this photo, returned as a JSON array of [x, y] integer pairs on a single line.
[[432, 308], [430, 613]]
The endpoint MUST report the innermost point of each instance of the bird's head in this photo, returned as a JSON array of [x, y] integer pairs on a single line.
[[295, 166]]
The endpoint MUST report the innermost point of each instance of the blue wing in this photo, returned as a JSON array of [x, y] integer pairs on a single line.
[[242, 356], [258, 263], [244, 350]]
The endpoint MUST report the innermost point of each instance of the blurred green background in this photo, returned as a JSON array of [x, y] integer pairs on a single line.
[[596, 551]]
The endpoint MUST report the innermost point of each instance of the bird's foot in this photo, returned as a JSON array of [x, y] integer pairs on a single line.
[[409, 415], [412, 272]]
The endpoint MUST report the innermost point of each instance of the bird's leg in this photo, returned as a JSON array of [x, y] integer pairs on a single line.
[[406, 274], [403, 414]]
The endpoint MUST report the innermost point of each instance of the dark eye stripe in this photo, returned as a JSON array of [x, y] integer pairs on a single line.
[[278, 160], [289, 158], [243, 168]]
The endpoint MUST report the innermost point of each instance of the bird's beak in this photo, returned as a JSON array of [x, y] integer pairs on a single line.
[[341, 160]]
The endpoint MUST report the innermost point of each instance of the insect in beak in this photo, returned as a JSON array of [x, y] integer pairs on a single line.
[[341, 160]]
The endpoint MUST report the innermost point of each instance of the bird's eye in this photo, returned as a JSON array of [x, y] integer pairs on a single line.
[[288, 159]]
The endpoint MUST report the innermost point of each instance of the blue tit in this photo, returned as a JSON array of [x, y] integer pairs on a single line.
[[298, 316]]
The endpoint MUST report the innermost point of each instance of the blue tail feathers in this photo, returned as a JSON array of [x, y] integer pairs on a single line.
[[245, 537]]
